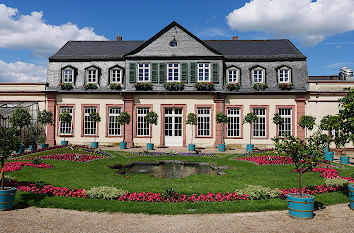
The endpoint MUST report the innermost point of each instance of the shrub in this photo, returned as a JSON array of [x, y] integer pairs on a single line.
[[336, 182], [105, 192], [257, 192], [204, 86], [66, 86], [88, 86], [260, 86]]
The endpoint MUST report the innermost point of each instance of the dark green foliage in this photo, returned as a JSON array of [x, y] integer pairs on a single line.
[[31, 135], [278, 120], [90, 86], [20, 118], [307, 122], [95, 117], [123, 119], [191, 120], [45, 117], [249, 119], [221, 118], [346, 113], [151, 118], [65, 117]]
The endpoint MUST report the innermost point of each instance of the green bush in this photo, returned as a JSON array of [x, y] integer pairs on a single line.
[[105, 192], [257, 192], [336, 182]]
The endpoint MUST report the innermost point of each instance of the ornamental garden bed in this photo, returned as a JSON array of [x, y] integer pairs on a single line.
[[55, 185]]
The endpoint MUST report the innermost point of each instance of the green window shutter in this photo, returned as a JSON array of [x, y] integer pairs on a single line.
[[132, 72], [184, 74], [154, 74], [162, 72], [193, 72], [215, 72]]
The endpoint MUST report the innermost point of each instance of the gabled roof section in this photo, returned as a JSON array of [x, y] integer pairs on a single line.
[[166, 29]]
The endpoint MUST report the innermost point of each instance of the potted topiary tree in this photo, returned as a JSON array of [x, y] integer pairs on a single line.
[[31, 136], [95, 117], [221, 118], [278, 121], [21, 118], [9, 142], [250, 118], [191, 120], [123, 119], [331, 124], [307, 122], [305, 155], [151, 118], [45, 117], [65, 118]]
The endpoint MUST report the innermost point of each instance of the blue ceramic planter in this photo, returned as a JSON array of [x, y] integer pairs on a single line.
[[43, 145], [351, 195], [249, 148], [94, 145], [32, 148], [64, 143], [326, 149], [221, 147], [344, 160], [7, 198], [300, 207], [191, 147], [328, 156], [21, 149], [150, 146], [123, 145]]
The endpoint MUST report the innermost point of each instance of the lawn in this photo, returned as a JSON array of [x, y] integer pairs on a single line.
[[97, 173]]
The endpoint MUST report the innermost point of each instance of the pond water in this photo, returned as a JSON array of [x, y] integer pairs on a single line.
[[169, 168]]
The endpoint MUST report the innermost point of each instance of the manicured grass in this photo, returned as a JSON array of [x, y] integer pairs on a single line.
[[97, 173], [75, 150]]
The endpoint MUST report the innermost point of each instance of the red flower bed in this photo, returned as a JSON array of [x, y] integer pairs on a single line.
[[330, 173], [71, 157], [17, 165], [268, 160], [317, 189]]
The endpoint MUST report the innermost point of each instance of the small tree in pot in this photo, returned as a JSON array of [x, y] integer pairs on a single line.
[[65, 118], [250, 118], [221, 118], [45, 117], [9, 141], [191, 120], [95, 117], [123, 119], [305, 155], [31, 136], [21, 118], [307, 122], [151, 118], [278, 121]]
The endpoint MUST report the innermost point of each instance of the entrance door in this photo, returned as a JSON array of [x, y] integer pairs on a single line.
[[173, 127]]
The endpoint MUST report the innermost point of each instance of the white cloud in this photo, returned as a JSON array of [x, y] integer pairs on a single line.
[[214, 32], [21, 72], [311, 22], [339, 64], [31, 32]]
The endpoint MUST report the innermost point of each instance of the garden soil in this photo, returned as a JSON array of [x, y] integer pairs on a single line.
[[335, 218]]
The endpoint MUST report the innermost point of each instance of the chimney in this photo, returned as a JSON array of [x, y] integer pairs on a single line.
[[235, 38], [119, 38]]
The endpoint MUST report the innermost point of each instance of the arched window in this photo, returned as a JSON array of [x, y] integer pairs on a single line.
[[68, 74], [284, 75], [258, 75], [233, 75], [92, 75]]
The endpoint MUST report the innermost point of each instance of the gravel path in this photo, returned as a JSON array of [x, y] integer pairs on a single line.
[[335, 218]]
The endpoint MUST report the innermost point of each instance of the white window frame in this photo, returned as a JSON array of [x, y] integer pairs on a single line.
[[262, 73], [281, 76], [233, 69], [142, 66], [92, 78], [90, 127], [234, 125], [142, 129], [201, 72], [113, 75], [173, 69], [287, 126], [65, 76], [66, 128], [114, 129], [259, 127], [204, 122]]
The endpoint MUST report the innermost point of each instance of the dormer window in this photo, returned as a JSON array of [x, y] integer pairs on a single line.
[[258, 75], [143, 72], [203, 72], [116, 75], [233, 75], [68, 75], [284, 75], [92, 75], [173, 72]]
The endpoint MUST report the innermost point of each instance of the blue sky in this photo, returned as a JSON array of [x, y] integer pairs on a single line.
[[323, 30]]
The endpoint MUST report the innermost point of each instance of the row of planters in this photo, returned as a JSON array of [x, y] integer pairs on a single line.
[[177, 86]]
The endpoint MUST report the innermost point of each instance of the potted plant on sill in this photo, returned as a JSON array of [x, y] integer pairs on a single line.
[[45, 117], [260, 86], [66, 86], [123, 119], [233, 86], [204, 86], [307, 122], [115, 86], [151, 118], [174, 86], [305, 155], [221, 118], [65, 118], [191, 120], [90, 86], [143, 86], [21, 118], [285, 86], [9, 142], [249, 119], [95, 117]]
